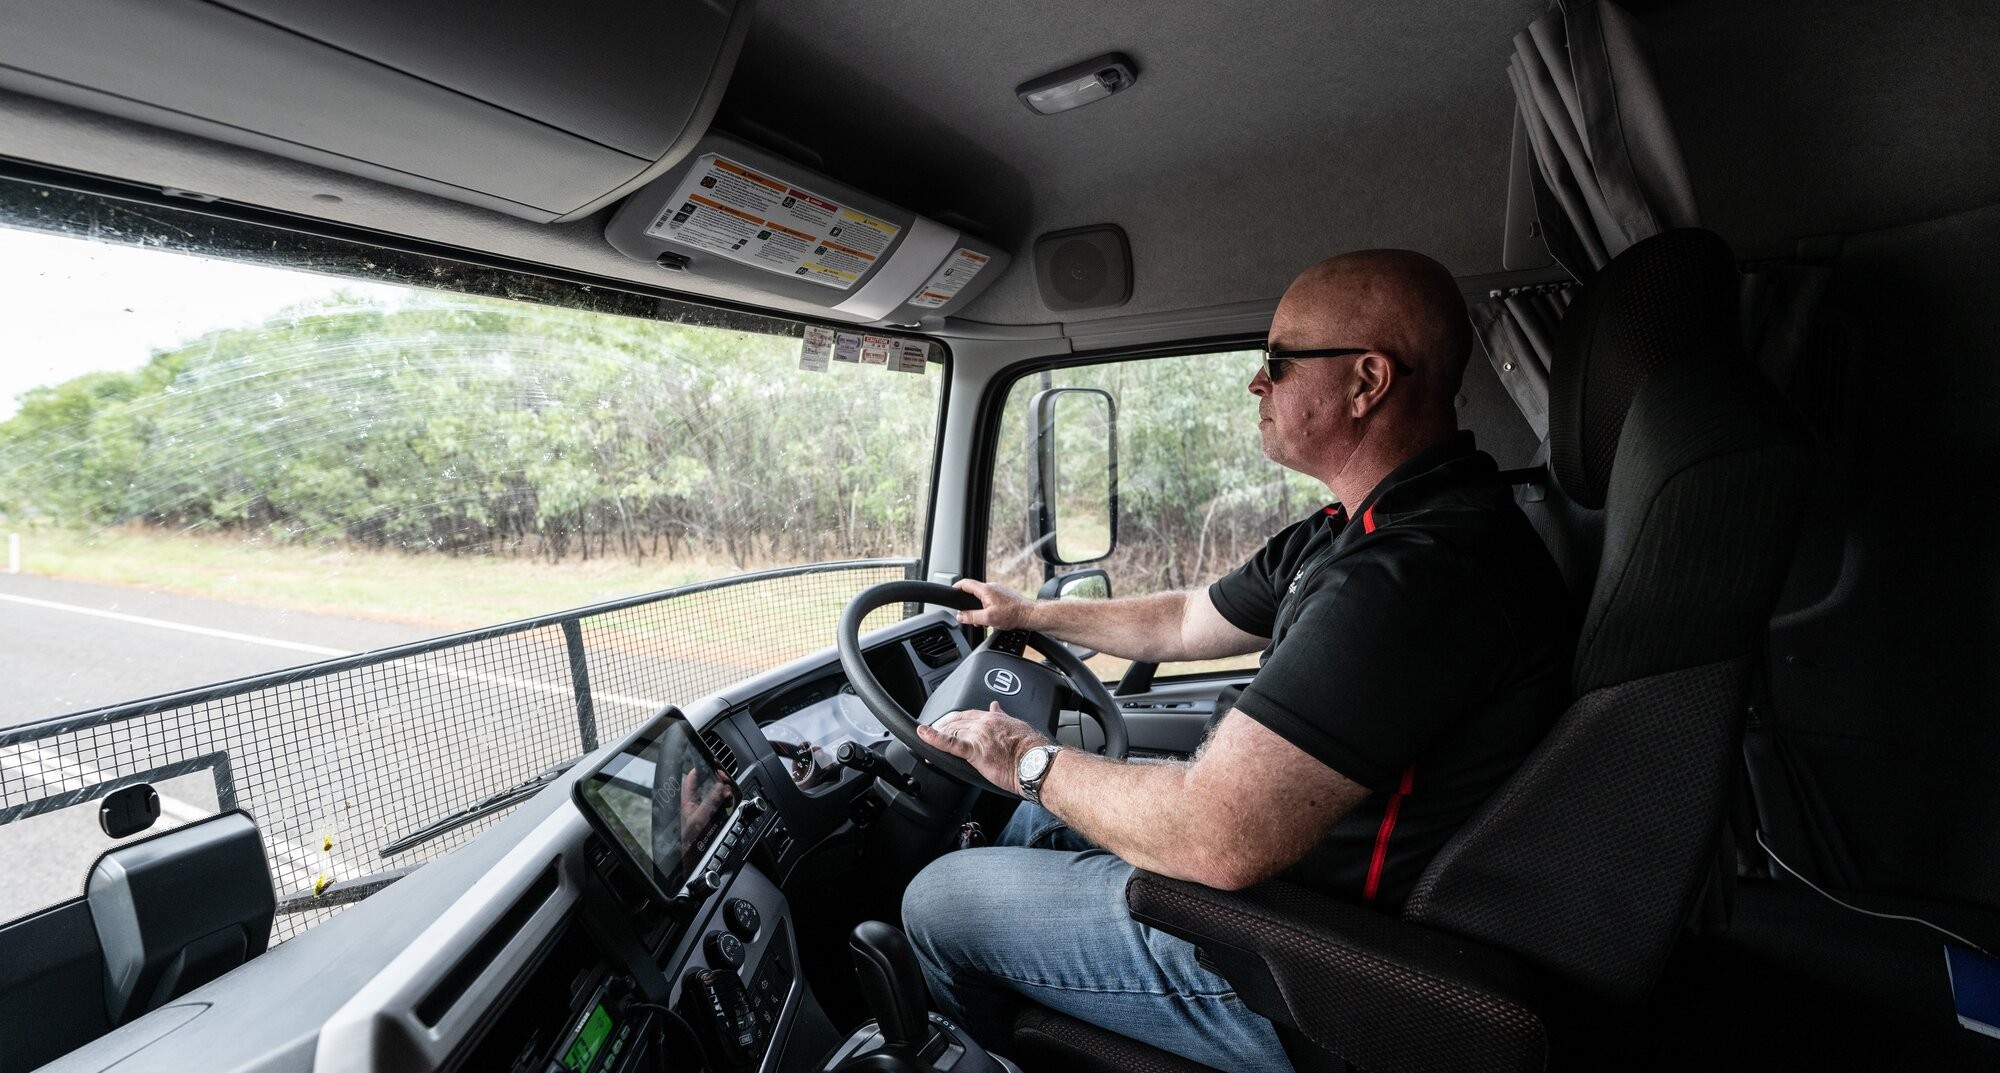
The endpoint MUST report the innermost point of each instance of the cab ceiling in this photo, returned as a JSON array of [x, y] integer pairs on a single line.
[[1259, 137]]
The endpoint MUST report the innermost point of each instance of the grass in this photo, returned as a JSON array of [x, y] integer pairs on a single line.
[[448, 593], [438, 591]]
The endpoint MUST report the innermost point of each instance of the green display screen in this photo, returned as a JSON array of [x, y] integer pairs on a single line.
[[596, 1028]]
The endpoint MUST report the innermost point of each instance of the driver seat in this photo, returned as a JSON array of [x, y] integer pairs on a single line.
[[1558, 902]]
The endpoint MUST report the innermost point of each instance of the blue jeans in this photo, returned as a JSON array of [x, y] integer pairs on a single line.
[[1041, 915]]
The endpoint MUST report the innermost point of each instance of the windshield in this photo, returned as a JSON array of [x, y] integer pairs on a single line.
[[212, 470]]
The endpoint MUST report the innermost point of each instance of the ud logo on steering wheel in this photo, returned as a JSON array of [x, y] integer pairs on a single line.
[[1002, 681]]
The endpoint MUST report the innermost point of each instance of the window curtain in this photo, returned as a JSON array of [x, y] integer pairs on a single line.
[[1607, 173], [1608, 170], [1517, 327]]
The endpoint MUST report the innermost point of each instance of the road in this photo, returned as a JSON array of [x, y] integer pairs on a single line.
[[64, 652], [353, 759]]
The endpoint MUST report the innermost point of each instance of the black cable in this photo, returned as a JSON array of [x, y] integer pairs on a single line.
[[671, 1020]]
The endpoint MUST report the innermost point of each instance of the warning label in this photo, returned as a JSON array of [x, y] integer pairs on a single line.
[[949, 279], [910, 357], [751, 218]]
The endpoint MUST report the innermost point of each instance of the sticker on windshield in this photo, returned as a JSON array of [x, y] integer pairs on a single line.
[[846, 348], [743, 215], [815, 349], [949, 279], [875, 349], [910, 357]]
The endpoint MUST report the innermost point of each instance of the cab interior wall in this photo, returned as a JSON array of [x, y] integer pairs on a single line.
[[1800, 118], [1882, 683]]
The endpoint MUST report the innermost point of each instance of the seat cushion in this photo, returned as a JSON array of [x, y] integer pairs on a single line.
[[1047, 1042]]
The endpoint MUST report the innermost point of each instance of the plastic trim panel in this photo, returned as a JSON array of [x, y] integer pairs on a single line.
[[379, 1027]]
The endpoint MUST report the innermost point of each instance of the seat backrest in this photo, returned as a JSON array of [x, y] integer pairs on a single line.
[[1586, 862]]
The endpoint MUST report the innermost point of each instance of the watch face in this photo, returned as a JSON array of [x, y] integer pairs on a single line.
[[1033, 764]]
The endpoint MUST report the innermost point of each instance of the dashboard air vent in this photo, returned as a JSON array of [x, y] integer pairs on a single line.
[[935, 647], [725, 757]]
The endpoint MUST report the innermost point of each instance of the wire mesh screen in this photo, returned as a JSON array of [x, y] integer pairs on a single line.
[[336, 761], [693, 644]]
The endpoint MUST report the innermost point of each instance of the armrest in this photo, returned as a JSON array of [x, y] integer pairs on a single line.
[[1378, 992]]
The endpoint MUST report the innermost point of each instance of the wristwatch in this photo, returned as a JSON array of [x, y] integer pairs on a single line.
[[1033, 768]]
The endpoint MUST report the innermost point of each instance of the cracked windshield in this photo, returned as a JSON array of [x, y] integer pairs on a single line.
[[211, 471]]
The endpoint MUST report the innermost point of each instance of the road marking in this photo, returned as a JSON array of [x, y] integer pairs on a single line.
[[333, 653], [50, 770], [204, 631], [537, 687]]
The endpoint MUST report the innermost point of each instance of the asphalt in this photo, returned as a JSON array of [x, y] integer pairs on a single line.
[[353, 759], [56, 661]]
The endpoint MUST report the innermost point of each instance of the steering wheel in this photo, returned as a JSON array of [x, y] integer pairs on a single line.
[[998, 670]]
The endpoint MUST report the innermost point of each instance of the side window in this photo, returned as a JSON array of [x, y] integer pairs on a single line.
[[1196, 496]]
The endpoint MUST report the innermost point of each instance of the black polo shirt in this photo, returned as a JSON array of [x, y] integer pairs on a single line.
[[1420, 648]]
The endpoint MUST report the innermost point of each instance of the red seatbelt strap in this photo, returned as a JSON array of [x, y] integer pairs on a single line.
[[1382, 836]]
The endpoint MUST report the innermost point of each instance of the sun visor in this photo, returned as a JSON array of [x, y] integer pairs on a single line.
[[503, 104], [734, 213]]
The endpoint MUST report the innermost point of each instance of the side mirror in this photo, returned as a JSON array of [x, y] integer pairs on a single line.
[[1075, 512], [1078, 585]]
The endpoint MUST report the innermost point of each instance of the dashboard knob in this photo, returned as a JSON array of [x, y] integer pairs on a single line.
[[742, 918], [708, 882], [723, 949], [754, 807]]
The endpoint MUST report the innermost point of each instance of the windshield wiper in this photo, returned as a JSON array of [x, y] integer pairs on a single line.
[[342, 891], [484, 807]]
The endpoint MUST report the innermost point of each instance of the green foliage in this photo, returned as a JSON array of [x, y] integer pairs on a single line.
[[471, 426], [466, 425]]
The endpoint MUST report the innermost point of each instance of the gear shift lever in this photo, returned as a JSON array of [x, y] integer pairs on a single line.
[[903, 1038], [891, 983]]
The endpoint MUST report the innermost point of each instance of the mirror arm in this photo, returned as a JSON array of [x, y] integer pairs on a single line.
[[1138, 679]]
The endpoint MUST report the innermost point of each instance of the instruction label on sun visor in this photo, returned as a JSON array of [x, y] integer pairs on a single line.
[[949, 279], [751, 218]]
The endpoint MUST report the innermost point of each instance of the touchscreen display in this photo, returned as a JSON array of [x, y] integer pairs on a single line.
[[660, 801]]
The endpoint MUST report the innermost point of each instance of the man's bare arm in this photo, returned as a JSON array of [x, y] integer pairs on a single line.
[[1249, 805], [1159, 628]]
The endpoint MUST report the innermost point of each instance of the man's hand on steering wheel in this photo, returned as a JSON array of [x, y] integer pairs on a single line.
[[991, 741], [1000, 607]]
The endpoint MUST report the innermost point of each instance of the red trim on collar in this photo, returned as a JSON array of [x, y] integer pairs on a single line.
[[1368, 519]]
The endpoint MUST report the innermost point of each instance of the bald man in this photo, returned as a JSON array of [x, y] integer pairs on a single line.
[[1415, 644]]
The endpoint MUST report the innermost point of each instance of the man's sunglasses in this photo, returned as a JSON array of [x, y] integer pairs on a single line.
[[1277, 361]]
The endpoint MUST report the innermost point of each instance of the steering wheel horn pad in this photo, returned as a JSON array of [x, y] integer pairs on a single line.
[[987, 675], [1024, 689]]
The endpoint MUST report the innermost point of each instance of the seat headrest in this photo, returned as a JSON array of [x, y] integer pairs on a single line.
[[1669, 298]]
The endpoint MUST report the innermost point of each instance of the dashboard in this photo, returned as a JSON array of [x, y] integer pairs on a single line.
[[534, 949]]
